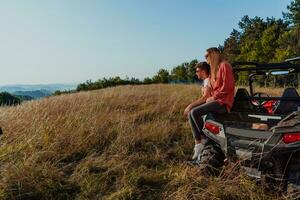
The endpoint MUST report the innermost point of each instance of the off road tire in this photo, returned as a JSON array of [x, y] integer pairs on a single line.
[[212, 160]]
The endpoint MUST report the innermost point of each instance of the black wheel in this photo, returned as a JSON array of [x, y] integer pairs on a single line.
[[276, 178], [212, 160], [273, 177]]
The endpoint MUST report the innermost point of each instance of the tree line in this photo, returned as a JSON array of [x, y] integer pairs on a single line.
[[7, 99], [265, 41], [258, 40], [183, 73]]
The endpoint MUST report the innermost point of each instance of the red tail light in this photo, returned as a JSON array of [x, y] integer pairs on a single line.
[[213, 128], [291, 137]]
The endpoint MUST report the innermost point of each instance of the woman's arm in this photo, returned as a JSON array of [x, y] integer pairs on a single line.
[[227, 82]]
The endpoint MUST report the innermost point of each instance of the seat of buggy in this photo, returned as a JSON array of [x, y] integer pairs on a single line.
[[242, 101], [285, 107]]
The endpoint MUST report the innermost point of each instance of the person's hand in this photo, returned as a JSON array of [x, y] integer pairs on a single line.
[[209, 99], [187, 110]]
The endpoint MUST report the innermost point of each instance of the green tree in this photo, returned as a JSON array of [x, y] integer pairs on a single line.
[[179, 73], [251, 48], [134, 81], [147, 80], [8, 99], [293, 14], [231, 48], [162, 76], [270, 38], [260, 41], [190, 69]]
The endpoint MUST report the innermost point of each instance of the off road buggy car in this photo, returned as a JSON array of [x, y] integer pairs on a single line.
[[261, 131]]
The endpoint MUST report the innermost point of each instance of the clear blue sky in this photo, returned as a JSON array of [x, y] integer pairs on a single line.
[[71, 41]]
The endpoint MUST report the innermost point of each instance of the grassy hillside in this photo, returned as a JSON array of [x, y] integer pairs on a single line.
[[119, 143]]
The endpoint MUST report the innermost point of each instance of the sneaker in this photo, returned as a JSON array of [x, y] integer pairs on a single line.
[[197, 150]]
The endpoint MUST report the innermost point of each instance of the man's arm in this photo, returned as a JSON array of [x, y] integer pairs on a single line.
[[199, 101], [202, 99]]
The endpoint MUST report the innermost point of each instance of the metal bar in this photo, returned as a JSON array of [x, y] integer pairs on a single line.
[[237, 66], [250, 79], [292, 59], [271, 67], [271, 98]]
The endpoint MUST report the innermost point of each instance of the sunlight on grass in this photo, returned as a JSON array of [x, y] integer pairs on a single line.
[[127, 142]]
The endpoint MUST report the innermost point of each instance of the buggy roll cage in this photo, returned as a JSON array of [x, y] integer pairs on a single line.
[[292, 59], [288, 64], [291, 64]]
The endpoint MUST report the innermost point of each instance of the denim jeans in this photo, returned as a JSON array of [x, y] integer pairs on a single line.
[[196, 116]]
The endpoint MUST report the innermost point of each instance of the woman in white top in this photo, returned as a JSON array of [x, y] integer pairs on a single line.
[[202, 72]]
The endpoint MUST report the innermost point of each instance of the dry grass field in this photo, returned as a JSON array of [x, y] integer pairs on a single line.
[[128, 142]]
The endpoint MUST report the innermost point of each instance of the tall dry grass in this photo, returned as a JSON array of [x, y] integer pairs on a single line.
[[129, 142]]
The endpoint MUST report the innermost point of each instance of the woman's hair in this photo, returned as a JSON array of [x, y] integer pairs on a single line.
[[218, 61], [203, 66], [213, 49]]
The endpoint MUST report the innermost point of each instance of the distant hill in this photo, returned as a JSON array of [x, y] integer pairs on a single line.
[[36, 94], [50, 87], [24, 97], [28, 92]]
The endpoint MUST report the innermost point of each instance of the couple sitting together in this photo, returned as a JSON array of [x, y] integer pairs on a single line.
[[217, 94]]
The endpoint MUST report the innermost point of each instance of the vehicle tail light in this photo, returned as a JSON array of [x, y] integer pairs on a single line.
[[291, 137], [213, 128]]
